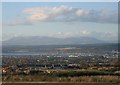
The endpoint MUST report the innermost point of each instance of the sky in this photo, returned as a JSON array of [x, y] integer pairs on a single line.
[[60, 1], [60, 19]]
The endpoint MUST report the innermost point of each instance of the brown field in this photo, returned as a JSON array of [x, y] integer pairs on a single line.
[[37, 78], [60, 84]]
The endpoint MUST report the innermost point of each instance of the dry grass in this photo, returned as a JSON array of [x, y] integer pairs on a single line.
[[60, 84], [37, 78]]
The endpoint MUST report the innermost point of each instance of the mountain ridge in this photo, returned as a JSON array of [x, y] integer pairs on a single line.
[[44, 40]]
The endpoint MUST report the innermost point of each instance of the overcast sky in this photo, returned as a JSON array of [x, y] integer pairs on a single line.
[[67, 19]]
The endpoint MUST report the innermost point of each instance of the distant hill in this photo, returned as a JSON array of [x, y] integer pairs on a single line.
[[37, 40]]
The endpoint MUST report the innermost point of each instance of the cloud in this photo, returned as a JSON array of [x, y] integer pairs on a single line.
[[6, 36], [17, 22], [101, 16], [73, 34], [59, 13], [81, 12], [65, 13], [85, 33]]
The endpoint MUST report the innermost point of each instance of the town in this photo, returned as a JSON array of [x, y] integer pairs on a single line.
[[56, 60]]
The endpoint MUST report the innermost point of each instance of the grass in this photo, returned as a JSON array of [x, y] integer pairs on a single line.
[[66, 76], [37, 78]]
